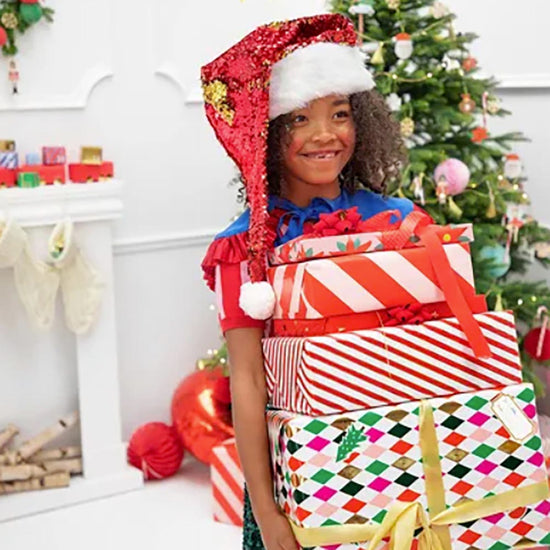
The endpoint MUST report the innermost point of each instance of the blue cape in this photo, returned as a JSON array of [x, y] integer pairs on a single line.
[[368, 204]]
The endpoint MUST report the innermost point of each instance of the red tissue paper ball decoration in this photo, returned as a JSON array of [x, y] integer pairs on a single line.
[[201, 412], [29, 1], [3, 37], [156, 450], [531, 342]]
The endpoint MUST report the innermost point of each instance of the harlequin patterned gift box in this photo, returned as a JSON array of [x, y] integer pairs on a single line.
[[384, 366], [455, 473]]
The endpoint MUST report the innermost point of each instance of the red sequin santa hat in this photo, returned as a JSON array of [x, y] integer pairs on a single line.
[[274, 70]]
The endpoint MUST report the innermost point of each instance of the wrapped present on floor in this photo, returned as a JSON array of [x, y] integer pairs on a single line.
[[9, 160], [467, 470], [53, 155], [8, 178], [385, 366], [227, 483]]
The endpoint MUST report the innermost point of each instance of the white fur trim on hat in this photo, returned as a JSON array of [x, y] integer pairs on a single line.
[[257, 300], [316, 71]]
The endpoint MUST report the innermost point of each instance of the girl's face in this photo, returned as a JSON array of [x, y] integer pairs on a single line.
[[320, 142]]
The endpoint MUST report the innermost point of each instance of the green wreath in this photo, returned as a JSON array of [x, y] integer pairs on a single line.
[[18, 16]]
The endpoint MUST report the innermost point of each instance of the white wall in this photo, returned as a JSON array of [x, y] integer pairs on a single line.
[[124, 75]]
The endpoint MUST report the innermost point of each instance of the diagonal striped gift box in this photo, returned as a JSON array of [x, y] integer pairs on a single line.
[[227, 483], [365, 282], [384, 366]]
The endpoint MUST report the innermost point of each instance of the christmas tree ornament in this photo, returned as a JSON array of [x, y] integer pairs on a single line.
[[393, 4], [394, 102], [439, 10], [81, 284], [500, 258], [513, 166], [156, 450], [479, 134], [467, 105], [361, 8], [13, 77], [441, 190], [201, 420], [455, 211], [493, 104], [378, 57], [407, 127], [35, 281], [537, 340], [469, 64], [450, 64], [455, 174], [403, 45], [31, 13], [3, 36], [9, 20], [542, 250], [491, 211], [418, 188]]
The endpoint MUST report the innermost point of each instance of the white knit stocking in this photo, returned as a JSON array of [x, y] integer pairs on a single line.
[[35, 281], [81, 283]]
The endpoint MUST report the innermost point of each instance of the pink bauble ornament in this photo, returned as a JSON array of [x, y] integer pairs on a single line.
[[156, 450], [455, 173]]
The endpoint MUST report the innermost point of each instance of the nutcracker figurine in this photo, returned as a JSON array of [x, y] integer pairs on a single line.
[[13, 76]]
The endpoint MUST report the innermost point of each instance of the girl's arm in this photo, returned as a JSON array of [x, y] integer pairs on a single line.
[[249, 399]]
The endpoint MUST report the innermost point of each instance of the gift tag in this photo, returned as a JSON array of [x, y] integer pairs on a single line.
[[512, 417]]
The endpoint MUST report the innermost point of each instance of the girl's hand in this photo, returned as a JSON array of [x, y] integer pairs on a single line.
[[277, 533]]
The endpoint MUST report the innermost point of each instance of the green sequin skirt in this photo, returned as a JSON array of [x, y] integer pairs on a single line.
[[252, 539]]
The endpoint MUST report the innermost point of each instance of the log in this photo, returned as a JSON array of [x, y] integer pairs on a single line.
[[7, 435], [56, 454], [36, 443], [51, 481]]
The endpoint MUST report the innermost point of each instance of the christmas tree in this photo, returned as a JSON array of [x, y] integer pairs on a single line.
[[458, 170]]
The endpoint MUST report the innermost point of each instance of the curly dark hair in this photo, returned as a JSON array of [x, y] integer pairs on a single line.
[[379, 149]]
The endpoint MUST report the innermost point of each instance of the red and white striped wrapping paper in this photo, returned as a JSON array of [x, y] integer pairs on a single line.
[[370, 368], [227, 483], [365, 282]]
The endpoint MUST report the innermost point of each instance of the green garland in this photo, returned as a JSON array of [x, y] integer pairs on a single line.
[[17, 17]]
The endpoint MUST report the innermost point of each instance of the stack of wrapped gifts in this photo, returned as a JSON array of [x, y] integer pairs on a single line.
[[399, 416]]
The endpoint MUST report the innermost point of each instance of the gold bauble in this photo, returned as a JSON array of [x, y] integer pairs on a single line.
[[467, 105], [407, 127], [493, 105], [9, 20], [393, 4]]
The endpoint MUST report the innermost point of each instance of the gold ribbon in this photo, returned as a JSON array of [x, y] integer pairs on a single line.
[[404, 517]]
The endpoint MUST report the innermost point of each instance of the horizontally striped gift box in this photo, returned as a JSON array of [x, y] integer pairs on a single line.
[[383, 366], [227, 483]]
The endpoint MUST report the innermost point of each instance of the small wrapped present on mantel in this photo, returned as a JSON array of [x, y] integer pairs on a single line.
[[451, 473]]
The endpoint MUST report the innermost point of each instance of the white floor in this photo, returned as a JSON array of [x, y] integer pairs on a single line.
[[166, 515]]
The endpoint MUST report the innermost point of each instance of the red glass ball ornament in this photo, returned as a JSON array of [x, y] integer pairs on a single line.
[[531, 342], [201, 412], [156, 450], [3, 36]]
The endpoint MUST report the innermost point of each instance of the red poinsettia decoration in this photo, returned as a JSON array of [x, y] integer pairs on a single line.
[[479, 134], [411, 314], [337, 223]]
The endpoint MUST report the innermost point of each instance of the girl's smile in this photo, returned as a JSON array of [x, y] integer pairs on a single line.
[[320, 142]]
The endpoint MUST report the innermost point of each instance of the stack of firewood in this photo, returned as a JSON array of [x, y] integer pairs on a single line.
[[29, 467]]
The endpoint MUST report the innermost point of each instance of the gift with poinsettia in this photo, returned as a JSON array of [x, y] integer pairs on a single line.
[[420, 359], [412, 261], [458, 472], [227, 483]]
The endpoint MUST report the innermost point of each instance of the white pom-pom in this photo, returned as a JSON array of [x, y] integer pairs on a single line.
[[257, 300]]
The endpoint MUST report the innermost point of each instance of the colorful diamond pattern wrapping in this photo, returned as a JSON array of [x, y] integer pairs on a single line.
[[479, 458]]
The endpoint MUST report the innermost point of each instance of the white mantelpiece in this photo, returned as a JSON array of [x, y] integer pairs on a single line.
[[92, 207]]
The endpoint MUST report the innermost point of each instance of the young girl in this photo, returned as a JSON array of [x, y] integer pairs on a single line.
[[293, 105]]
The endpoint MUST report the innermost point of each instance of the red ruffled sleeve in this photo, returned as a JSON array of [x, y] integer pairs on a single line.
[[225, 250]]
